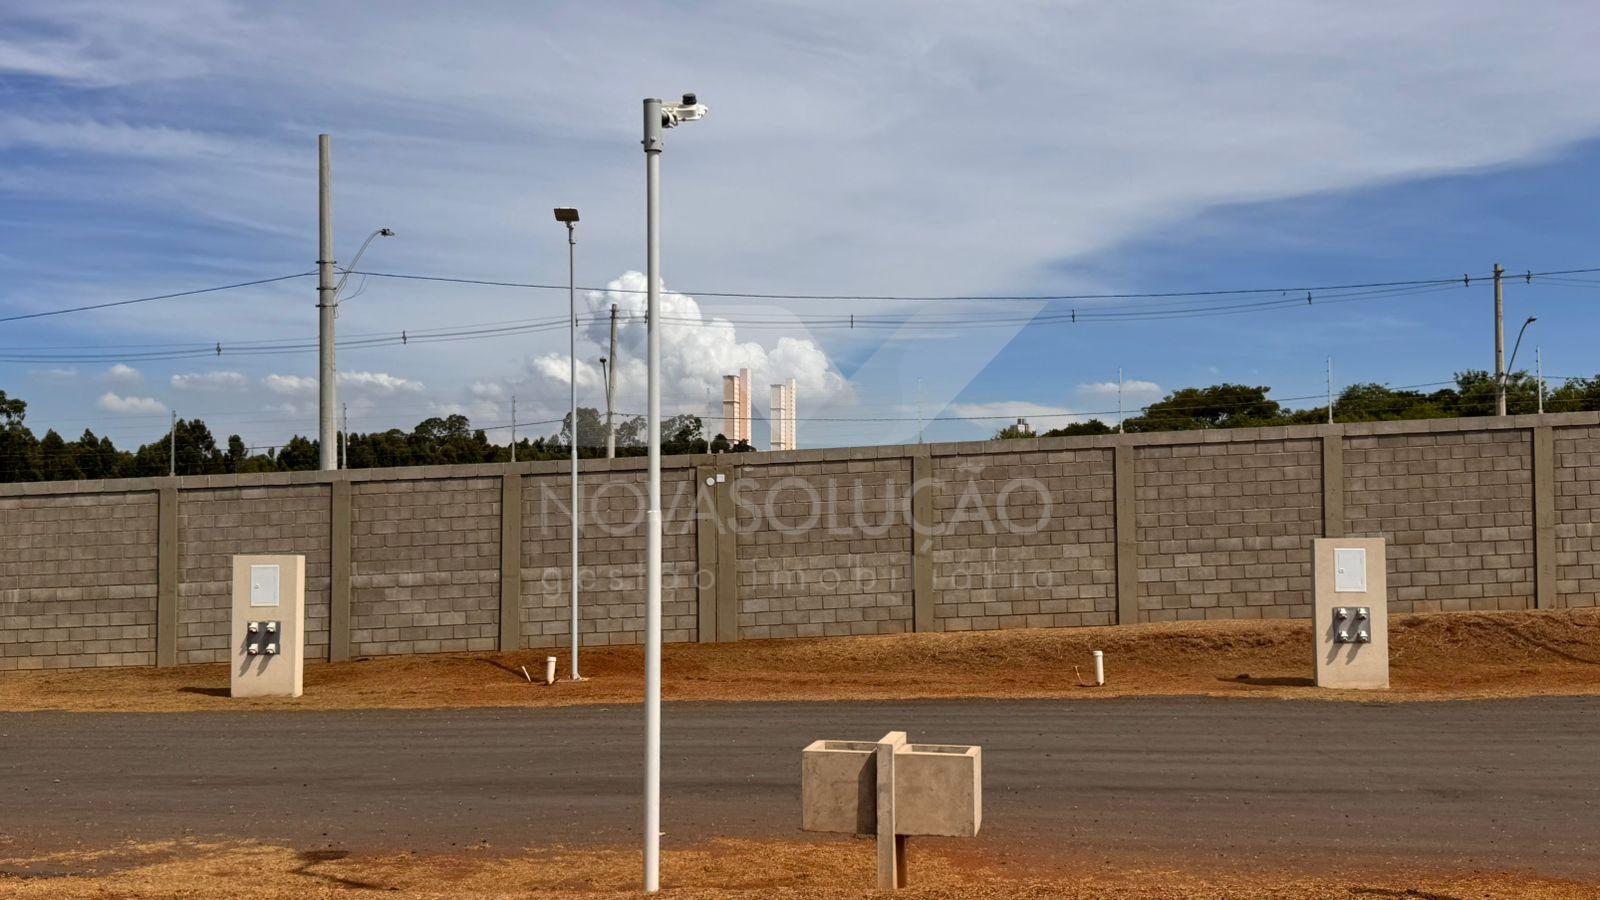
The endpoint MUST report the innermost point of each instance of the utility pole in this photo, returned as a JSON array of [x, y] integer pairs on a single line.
[[1499, 345], [344, 436], [1538, 358], [611, 389], [1330, 390], [172, 450], [513, 427], [327, 398], [1119, 400]]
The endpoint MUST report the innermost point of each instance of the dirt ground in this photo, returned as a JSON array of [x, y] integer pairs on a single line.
[[1433, 657], [829, 868]]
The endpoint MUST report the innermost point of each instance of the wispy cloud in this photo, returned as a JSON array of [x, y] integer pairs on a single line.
[[210, 381]]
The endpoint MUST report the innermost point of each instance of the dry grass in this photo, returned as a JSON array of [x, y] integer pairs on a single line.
[[1434, 657], [841, 868]]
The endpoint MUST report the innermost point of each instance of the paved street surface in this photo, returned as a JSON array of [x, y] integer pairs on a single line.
[[1483, 784]]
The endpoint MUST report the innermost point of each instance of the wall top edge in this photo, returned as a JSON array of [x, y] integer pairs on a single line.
[[676, 465]]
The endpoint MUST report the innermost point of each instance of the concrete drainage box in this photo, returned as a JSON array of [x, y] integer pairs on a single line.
[[1350, 613], [269, 623]]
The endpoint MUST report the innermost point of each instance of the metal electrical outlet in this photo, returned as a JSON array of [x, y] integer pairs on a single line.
[[1352, 625]]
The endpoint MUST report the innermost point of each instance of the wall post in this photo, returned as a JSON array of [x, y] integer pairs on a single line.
[[510, 561], [922, 617], [1125, 514], [167, 550], [706, 526], [1333, 482], [727, 555], [1544, 518], [339, 570]]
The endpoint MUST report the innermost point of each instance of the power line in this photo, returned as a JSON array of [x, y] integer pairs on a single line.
[[207, 290]]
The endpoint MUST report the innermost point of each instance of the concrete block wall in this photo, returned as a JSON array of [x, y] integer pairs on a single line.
[[77, 581], [1059, 572], [1225, 529], [611, 551], [1480, 514], [1457, 508], [217, 524], [1577, 508], [425, 566], [824, 548]]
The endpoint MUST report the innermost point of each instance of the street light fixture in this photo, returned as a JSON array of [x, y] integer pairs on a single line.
[[657, 117], [1506, 375], [569, 217]]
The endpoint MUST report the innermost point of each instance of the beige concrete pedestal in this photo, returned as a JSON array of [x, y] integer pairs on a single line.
[[891, 789], [268, 632], [1350, 613]]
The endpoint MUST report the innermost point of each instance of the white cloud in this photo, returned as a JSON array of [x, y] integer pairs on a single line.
[[489, 390], [122, 374], [53, 375], [697, 349], [378, 383], [210, 381], [1131, 389], [115, 403], [290, 384]]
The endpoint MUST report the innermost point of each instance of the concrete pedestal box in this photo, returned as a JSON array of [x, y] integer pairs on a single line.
[[892, 789], [1350, 613], [269, 619]]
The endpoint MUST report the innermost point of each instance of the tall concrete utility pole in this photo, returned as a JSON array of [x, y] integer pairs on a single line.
[[1499, 345], [611, 389], [657, 117], [327, 391]]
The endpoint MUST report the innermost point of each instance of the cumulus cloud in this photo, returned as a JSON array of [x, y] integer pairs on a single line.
[[697, 349], [122, 374], [364, 383], [116, 403], [210, 381], [1130, 388]]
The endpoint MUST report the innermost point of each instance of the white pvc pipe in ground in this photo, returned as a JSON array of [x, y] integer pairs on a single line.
[[549, 670], [1099, 667]]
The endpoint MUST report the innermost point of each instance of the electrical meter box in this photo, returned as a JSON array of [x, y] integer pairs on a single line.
[[1350, 613], [268, 632]]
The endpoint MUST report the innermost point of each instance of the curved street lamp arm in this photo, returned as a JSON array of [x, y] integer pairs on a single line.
[[364, 245]]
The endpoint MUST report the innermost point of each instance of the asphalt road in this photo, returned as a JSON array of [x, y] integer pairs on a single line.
[[1483, 784]]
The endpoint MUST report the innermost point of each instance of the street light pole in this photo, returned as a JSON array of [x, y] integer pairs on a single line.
[[569, 216], [1499, 344], [657, 117], [611, 389], [1506, 377]]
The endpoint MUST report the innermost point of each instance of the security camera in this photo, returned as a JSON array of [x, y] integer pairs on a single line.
[[674, 113]]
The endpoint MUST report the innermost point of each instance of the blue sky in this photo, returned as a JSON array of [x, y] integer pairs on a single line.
[[896, 149]]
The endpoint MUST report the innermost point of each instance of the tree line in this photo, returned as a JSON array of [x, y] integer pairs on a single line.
[[1246, 406], [451, 440], [440, 440]]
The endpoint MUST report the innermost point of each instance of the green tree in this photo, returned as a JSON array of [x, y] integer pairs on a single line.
[[1218, 406], [1074, 429], [18, 448]]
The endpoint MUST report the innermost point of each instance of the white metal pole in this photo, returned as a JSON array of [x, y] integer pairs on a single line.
[[344, 436], [1119, 400], [513, 427], [172, 451], [577, 515], [327, 296], [652, 604], [1330, 390]]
